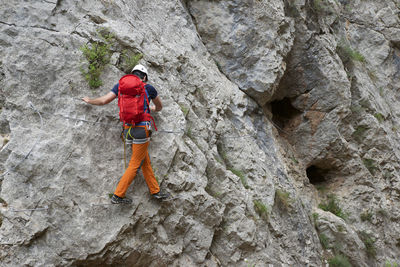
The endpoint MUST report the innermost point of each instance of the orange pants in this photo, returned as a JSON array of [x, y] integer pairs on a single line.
[[140, 157]]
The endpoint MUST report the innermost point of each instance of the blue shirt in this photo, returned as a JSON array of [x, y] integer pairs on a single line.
[[151, 91]]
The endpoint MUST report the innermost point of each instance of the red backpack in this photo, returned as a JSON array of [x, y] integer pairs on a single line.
[[133, 102]]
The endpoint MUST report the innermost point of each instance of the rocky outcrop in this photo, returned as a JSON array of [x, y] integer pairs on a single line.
[[278, 137]]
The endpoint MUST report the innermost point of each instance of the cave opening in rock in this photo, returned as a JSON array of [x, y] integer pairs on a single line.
[[316, 175], [283, 112]]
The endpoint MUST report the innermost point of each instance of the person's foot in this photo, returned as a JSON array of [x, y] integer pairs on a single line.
[[120, 200], [160, 195]]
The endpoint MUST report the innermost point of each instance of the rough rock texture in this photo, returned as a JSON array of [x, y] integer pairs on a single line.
[[270, 109]]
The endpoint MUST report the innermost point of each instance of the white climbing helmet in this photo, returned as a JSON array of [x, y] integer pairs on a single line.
[[141, 68]]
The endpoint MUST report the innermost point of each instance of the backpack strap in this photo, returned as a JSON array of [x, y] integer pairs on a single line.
[[148, 108]]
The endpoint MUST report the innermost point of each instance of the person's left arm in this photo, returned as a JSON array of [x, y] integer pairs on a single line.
[[102, 100]]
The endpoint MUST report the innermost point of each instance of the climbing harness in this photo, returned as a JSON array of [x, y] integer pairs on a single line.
[[129, 139]]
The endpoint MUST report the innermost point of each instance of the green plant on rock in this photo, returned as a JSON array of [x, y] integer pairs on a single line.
[[357, 109], [189, 133], [291, 8], [321, 188], [322, 6], [359, 133], [382, 213], [129, 60], [184, 110], [210, 189], [339, 261], [283, 199], [370, 165], [391, 264], [315, 217], [366, 216], [241, 175], [293, 158], [97, 55], [379, 117], [324, 240], [332, 206], [347, 53], [369, 243], [218, 159], [261, 209], [218, 66]]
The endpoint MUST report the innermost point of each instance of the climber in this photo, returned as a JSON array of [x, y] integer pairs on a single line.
[[137, 134]]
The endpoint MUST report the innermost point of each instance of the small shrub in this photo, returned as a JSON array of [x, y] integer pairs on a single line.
[[322, 188], [379, 117], [370, 165], [365, 103], [189, 133], [390, 264], [97, 55], [366, 216], [333, 206], [222, 152], [339, 261], [315, 217], [359, 133], [283, 199], [348, 53], [369, 243], [324, 240], [209, 189], [218, 66], [291, 9], [337, 247], [261, 209], [383, 213], [130, 60], [293, 158], [241, 175], [356, 109], [218, 159], [184, 110], [322, 6]]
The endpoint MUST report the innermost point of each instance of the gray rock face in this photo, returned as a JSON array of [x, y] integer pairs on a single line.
[[248, 41], [279, 134]]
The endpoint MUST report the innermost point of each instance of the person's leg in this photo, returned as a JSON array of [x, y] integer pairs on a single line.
[[149, 175], [139, 152]]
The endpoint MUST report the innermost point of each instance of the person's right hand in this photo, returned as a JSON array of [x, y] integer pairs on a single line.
[[86, 99]]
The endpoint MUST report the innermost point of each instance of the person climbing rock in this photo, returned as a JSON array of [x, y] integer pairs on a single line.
[[134, 98]]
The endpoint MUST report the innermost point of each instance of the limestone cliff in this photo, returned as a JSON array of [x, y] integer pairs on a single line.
[[279, 134]]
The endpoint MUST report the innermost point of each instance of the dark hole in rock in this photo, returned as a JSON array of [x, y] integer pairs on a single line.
[[316, 175], [283, 112]]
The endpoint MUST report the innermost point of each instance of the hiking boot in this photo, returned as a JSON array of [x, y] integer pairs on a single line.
[[120, 200], [160, 195]]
